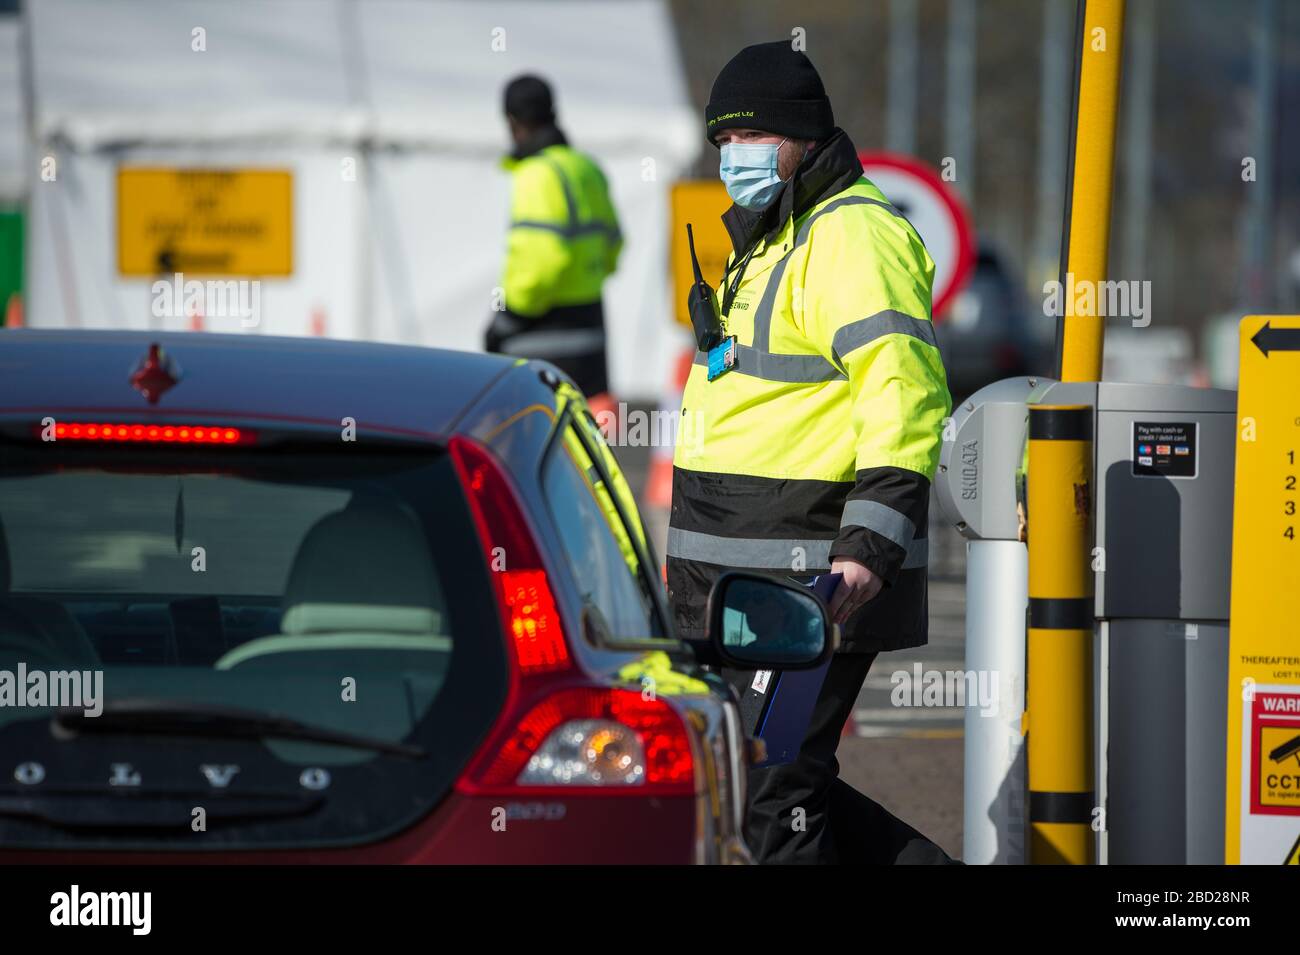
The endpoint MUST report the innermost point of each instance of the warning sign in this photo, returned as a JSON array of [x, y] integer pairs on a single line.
[[1293, 857], [1263, 765], [204, 222], [1276, 754]]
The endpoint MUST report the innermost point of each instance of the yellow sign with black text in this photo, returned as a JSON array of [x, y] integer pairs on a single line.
[[700, 202], [1263, 758], [228, 222]]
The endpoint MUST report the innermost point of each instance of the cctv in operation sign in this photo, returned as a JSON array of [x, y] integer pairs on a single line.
[[226, 222], [1263, 767]]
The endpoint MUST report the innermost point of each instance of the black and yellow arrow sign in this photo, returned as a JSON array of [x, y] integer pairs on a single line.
[[1269, 339]]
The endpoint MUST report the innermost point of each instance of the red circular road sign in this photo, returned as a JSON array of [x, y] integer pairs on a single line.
[[937, 214]]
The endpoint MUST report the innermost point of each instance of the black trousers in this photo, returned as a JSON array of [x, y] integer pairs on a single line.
[[837, 823]]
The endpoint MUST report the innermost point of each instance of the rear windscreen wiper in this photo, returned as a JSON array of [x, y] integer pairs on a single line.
[[170, 717]]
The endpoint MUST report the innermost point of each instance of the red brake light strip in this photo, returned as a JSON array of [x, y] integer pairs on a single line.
[[148, 433]]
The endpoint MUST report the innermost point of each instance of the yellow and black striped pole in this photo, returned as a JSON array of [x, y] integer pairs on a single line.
[[1058, 682], [1085, 242]]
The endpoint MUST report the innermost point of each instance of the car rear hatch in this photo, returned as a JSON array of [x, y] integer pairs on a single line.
[[234, 634]]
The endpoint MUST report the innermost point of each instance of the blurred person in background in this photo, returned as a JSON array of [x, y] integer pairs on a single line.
[[563, 243], [821, 398]]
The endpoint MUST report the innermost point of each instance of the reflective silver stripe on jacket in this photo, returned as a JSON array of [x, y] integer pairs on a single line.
[[797, 369], [768, 554], [757, 361], [558, 341], [573, 227], [570, 231], [881, 518], [814, 368], [889, 322], [763, 316]]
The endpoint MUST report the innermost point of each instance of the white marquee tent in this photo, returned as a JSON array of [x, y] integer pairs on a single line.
[[13, 135], [388, 115]]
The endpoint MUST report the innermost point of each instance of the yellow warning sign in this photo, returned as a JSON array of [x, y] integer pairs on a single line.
[[1293, 857], [701, 202], [204, 221], [1263, 765]]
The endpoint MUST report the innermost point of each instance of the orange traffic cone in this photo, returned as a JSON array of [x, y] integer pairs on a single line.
[[14, 311], [604, 404]]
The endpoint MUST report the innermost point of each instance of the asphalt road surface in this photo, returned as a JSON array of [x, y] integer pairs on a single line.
[[906, 757]]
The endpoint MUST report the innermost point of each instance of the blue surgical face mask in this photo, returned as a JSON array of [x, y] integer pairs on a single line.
[[749, 172]]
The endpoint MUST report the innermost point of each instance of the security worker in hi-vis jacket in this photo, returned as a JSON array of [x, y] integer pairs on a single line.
[[563, 243], [811, 422]]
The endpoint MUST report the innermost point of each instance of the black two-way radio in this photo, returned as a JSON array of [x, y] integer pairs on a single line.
[[702, 304]]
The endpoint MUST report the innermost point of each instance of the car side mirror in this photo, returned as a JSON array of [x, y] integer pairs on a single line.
[[758, 622]]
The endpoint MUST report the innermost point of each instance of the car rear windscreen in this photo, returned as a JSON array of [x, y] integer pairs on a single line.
[[301, 642]]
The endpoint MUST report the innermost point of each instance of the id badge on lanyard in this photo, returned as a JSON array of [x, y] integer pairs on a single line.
[[722, 356]]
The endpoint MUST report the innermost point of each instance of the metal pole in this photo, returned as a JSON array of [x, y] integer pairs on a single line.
[[959, 96], [1086, 238], [1258, 225], [1062, 794], [1059, 699], [995, 817], [900, 118], [1138, 122], [1053, 116]]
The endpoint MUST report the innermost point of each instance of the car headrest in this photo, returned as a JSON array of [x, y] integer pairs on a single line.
[[364, 568]]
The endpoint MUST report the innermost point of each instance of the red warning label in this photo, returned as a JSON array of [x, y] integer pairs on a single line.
[[1275, 756]]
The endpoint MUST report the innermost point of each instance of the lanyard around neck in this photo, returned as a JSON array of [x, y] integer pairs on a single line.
[[729, 290]]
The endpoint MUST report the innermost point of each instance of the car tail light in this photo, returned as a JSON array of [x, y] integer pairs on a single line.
[[553, 733], [523, 592], [534, 620], [591, 752], [149, 433], [595, 738]]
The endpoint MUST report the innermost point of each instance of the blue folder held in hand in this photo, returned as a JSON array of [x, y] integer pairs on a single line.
[[778, 705]]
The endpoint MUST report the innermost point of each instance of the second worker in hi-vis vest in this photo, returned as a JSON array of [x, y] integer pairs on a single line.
[[809, 445], [564, 242]]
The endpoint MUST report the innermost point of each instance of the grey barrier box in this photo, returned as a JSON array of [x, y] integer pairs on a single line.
[[976, 481], [1163, 488]]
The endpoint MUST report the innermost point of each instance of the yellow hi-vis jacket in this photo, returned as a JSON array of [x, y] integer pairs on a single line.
[[564, 238], [823, 439]]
